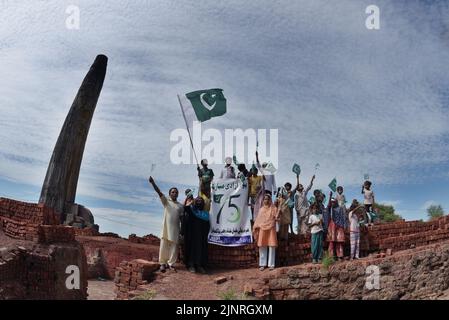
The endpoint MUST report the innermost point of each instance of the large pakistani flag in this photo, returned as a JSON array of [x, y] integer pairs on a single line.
[[202, 105]]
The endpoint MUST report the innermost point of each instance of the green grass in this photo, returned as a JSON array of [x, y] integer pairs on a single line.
[[327, 260], [230, 294], [147, 295]]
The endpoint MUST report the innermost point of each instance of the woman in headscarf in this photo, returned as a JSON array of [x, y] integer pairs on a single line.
[[284, 210], [195, 229], [264, 233], [337, 223]]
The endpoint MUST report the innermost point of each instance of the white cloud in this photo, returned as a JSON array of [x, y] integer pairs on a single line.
[[393, 203], [353, 100]]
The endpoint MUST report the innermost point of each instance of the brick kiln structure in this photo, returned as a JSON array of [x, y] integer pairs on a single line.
[[413, 259], [107, 252], [35, 252], [419, 273], [378, 238]]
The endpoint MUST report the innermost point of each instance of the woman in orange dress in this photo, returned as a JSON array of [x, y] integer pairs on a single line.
[[264, 232]]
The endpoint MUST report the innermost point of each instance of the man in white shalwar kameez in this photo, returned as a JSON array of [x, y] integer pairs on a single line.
[[168, 249]]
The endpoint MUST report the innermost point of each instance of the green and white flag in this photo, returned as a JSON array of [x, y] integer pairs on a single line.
[[333, 185], [270, 168], [234, 158], [202, 105], [296, 169]]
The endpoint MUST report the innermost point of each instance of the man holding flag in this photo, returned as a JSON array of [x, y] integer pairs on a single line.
[[336, 224], [202, 105]]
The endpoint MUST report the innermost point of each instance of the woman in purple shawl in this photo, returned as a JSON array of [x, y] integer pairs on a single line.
[[335, 221]]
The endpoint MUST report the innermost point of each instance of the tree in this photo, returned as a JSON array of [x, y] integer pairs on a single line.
[[435, 212], [386, 213]]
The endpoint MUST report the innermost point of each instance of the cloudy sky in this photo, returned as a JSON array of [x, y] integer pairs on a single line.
[[355, 100]]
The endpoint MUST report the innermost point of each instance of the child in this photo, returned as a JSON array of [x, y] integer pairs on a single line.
[[228, 171], [341, 198], [354, 229], [316, 224], [255, 184], [189, 197], [206, 176], [290, 202], [368, 200], [284, 211], [336, 225]]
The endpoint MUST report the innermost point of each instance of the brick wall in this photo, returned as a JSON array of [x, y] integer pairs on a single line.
[[420, 273], [395, 236], [130, 275], [106, 253], [39, 272], [20, 220], [55, 234], [148, 239], [109, 252], [86, 232]]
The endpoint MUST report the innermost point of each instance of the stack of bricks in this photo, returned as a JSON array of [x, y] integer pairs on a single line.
[[109, 234], [55, 234], [40, 276], [148, 239], [10, 264], [39, 273], [130, 275], [86, 232], [405, 235], [115, 250], [20, 220]]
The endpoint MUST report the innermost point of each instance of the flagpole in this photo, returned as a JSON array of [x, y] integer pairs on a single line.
[[187, 127]]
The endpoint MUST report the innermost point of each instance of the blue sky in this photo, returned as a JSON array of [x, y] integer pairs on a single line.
[[355, 100]]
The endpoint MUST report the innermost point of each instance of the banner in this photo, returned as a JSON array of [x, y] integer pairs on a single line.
[[230, 223]]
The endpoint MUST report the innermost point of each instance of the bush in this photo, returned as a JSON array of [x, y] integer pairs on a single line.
[[386, 213], [435, 212]]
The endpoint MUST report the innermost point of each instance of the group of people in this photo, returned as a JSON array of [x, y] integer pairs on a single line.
[[270, 219]]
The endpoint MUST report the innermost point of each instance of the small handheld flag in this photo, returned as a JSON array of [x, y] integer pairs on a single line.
[[234, 158], [270, 168], [317, 166], [191, 192], [366, 176], [296, 169], [333, 185]]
